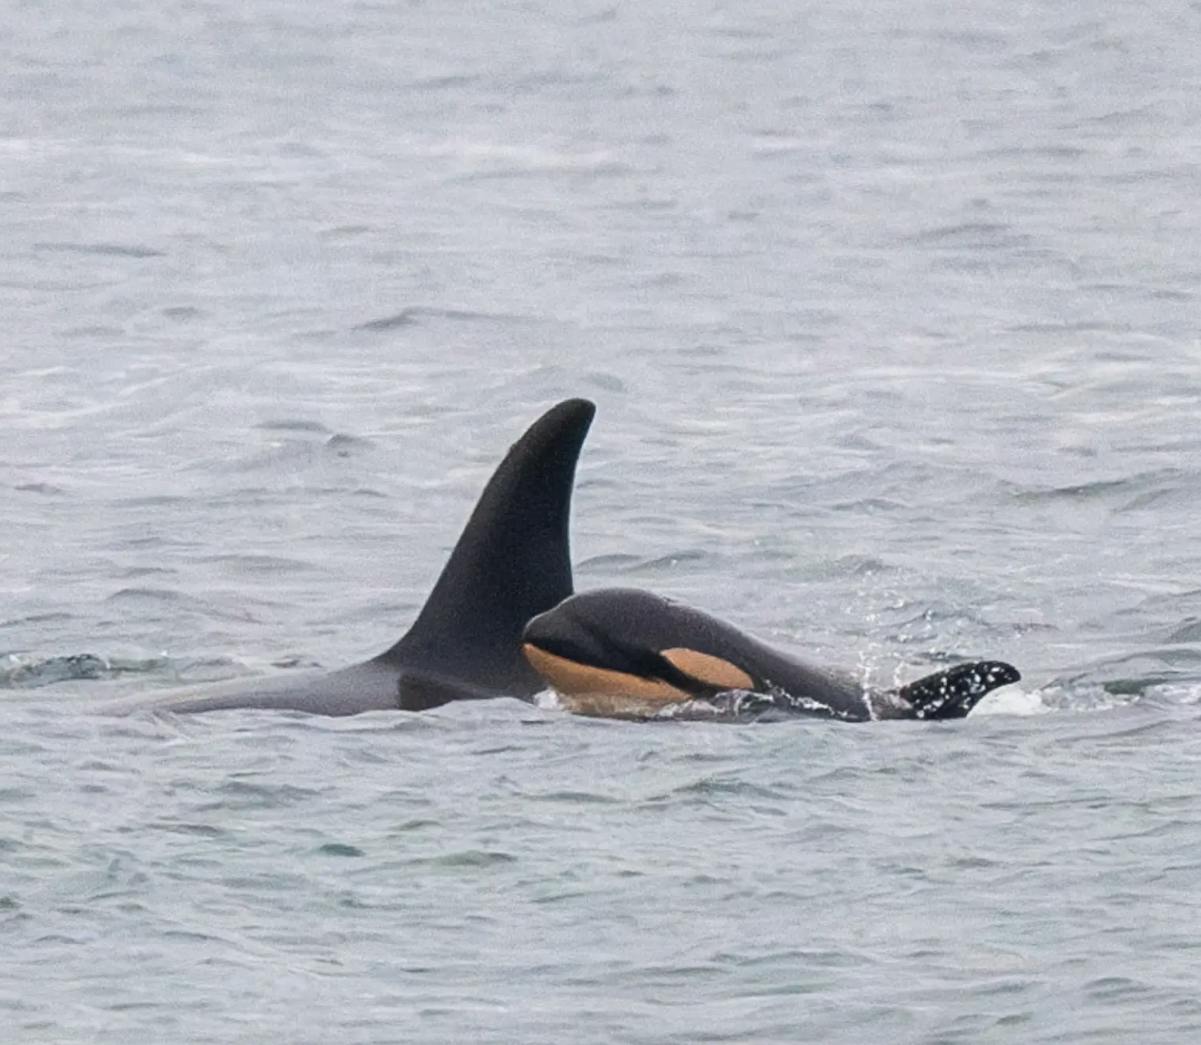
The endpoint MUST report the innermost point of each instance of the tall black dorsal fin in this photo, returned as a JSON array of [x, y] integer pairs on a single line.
[[511, 563], [954, 692]]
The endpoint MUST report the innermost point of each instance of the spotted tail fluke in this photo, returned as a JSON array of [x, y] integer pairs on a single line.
[[954, 692]]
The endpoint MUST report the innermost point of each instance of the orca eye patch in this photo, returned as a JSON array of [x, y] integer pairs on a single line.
[[706, 668]]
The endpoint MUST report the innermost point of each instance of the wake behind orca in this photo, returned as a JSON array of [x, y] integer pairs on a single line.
[[511, 563], [624, 653]]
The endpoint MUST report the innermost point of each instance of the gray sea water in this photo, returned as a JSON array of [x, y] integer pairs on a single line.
[[891, 315]]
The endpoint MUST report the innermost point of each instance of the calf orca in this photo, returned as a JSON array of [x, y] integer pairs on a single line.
[[624, 653], [511, 562]]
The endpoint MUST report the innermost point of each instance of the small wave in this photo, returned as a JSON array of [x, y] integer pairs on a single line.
[[20, 673], [289, 424], [417, 314], [605, 381], [1084, 695], [479, 858], [106, 249], [35, 618], [859, 566], [616, 560], [1178, 693], [666, 563], [146, 595], [342, 445], [573, 797], [46, 489], [135, 572], [244, 794], [439, 83], [159, 500], [970, 235], [1075, 492], [268, 564], [339, 849], [154, 599], [181, 827], [942, 614], [871, 505], [181, 313], [344, 231], [712, 787]]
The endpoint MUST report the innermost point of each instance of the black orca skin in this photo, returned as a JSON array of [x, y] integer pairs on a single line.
[[626, 653], [511, 563]]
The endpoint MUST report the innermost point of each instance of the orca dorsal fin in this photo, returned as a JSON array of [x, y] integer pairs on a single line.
[[511, 563], [954, 692]]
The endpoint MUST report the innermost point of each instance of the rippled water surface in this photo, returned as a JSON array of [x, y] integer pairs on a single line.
[[892, 323]]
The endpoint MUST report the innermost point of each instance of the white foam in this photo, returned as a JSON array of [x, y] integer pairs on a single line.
[[1011, 700], [548, 700], [1177, 692]]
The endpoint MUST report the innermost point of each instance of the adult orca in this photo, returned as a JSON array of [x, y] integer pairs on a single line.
[[624, 653], [511, 562]]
